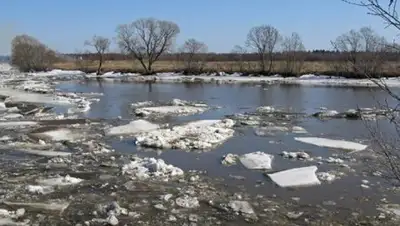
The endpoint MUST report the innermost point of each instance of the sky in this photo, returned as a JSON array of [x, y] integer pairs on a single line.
[[64, 25]]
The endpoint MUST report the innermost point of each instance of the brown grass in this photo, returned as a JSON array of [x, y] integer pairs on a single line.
[[250, 66]]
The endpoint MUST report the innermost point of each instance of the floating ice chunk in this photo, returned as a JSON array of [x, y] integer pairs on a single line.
[[54, 206], [270, 130], [5, 138], [391, 209], [326, 114], [330, 143], [243, 207], [326, 176], [2, 107], [60, 181], [145, 168], [296, 155], [169, 110], [265, 109], [298, 129], [133, 127], [334, 160], [58, 134], [257, 160], [11, 124], [296, 177], [45, 153], [229, 159], [187, 202], [201, 135], [12, 116], [38, 189], [142, 104], [27, 97]]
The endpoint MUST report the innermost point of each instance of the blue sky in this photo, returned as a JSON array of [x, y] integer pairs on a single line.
[[64, 25]]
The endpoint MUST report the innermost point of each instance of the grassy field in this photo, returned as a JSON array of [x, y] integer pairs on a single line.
[[318, 67]]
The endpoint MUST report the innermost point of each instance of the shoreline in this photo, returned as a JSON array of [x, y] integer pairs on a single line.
[[217, 78]]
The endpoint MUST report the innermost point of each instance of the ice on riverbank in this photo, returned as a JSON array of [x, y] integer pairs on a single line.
[[330, 143], [296, 177], [202, 134]]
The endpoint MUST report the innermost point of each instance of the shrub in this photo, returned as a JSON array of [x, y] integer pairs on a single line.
[[28, 54]]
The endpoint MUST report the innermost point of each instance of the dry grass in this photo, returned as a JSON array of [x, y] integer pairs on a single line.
[[278, 66]]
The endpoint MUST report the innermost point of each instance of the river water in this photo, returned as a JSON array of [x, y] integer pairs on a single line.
[[346, 191]]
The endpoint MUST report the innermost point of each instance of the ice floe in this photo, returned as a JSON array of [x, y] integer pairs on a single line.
[[58, 134], [151, 168], [296, 177], [229, 159], [11, 124], [133, 127], [202, 134], [59, 181], [296, 155], [326, 176], [174, 107], [257, 160], [169, 110], [330, 143]]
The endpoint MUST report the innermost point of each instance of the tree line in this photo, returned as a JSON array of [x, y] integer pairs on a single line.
[[149, 40]]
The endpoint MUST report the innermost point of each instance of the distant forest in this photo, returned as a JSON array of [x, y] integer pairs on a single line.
[[315, 55]]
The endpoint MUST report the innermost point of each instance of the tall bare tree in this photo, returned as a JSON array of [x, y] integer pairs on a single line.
[[101, 45], [193, 55], [292, 46], [240, 53], [264, 40], [28, 54], [147, 39], [364, 49], [388, 143]]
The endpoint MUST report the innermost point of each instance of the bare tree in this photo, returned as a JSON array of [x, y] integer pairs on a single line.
[[388, 143], [240, 53], [101, 45], [28, 54], [193, 54], [264, 40], [364, 50], [292, 47], [146, 39]]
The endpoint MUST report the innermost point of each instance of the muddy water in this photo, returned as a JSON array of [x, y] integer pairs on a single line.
[[346, 192]]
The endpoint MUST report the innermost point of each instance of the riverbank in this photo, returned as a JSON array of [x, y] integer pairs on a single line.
[[245, 68], [217, 78]]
